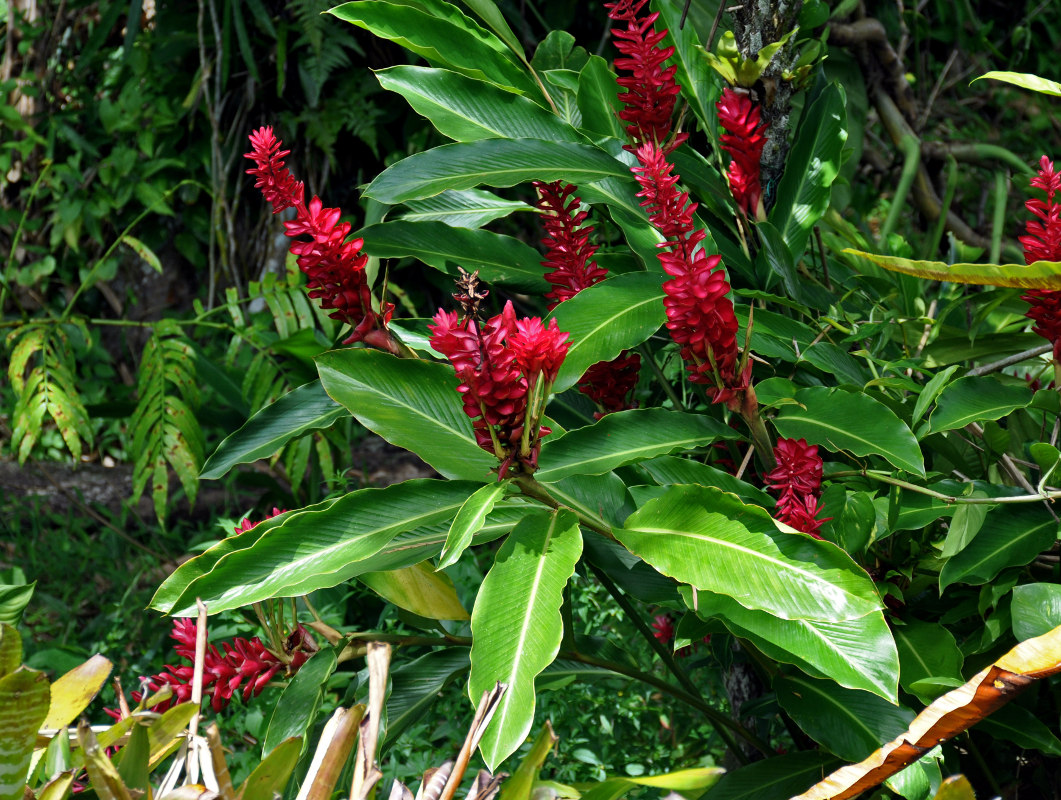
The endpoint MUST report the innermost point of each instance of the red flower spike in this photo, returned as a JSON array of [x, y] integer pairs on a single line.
[[651, 91], [1042, 242], [700, 316], [335, 268], [663, 628], [798, 480], [609, 383], [539, 349], [568, 253], [246, 524], [744, 141]]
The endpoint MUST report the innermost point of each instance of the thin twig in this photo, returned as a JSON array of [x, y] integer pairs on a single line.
[[1009, 361]]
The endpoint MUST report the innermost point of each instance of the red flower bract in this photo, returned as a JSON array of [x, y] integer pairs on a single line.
[[650, 88], [609, 383], [335, 268], [1042, 242], [798, 480], [744, 141]]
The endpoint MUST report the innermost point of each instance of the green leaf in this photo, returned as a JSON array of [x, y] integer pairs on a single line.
[[442, 41], [1009, 537], [926, 650], [322, 546], [13, 601], [598, 99], [856, 423], [1038, 275], [470, 208], [1024, 80], [812, 166], [970, 400], [1016, 724], [418, 589], [625, 437], [965, 523], [712, 541], [929, 394], [671, 469], [856, 653], [145, 252], [777, 778], [23, 707], [491, 162], [603, 498], [684, 782], [516, 626], [271, 775], [296, 710], [10, 649], [466, 110], [301, 410], [415, 687], [469, 520], [700, 86], [1036, 609], [606, 319], [489, 13], [411, 404], [500, 259]]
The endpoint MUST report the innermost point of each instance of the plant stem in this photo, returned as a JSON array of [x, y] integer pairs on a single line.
[[884, 477], [666, 384]]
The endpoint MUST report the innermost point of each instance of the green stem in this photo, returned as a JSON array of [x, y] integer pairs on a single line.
[[884, 477], [911, 149], [46, 165], [998, 218], [666, 384], [948, 198]]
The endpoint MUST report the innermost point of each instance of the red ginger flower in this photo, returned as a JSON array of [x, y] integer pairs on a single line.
[[335, 268], [744, 141], [650, 89], [1043, 243], [798, 480], [700, 317], [609, 383], [501, 364], [246, 524]]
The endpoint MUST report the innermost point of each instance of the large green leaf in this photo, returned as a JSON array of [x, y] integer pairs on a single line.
[[465, 109], [1036, 609], [469, 208], [812, 166], [1024, 80], [516, 625], [974, 399], [927, 650], [470, 518], [415, 687], [700, 83], [23, 707], [777, 778], [499, 259], [1016, 724], [602, 498], [1009, 537], [712, 541], [606, 319], [296, 710], [1038, 275], [598, 99], [299, 411], [840, 421], [857, 653], [445, 42], [412, 404], [625, 437], [491, 162], [490, 14], [671, 469], [323, 546]]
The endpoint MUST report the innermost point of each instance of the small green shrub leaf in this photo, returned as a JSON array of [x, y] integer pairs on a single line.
[[1009, 536], [976, 399], [470, 518]]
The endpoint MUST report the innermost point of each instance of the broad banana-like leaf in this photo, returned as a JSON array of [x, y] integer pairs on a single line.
[[1038, 275]]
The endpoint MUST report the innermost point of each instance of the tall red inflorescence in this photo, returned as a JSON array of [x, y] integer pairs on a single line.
[[335, 268], [744, 140], [502, 364], [1042, 242], [568, 255], [651, 91], [797, 479], [700, 316]]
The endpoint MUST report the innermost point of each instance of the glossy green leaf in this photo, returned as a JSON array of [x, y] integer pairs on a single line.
[[598, 99], [712, 541], [603, 498], [812, 166], [412, 404], [1016, 724], [516, 626], [926, 650], [321, 547], [490, 14], [856, 423], [419, 589], [296, 710], [965, 523], [1024, 80], [976, 399], [1009, 536], [684, 782], [776, 778], [470, 208], [856, 653], [930, 392], [14, 597], [671, 469], [522, 781], [469, 520], [620, 197], [271, 776], [466, 110], [1038, 275], [415, 687], [1036, 609], [298, 412], [625, 437], [443, 42], [491, 162], [23, 707], [499, 259], [606, 319]]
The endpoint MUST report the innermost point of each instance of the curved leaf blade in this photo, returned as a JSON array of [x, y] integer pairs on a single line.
[[419, 589], [516, 625], [1037, 275], [1024, 80], [470, 208], [974, 399], [469, 520]]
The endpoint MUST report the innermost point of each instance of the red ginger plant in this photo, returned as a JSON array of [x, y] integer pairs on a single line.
[[744, 140], [335, 268], [1042, 242], [797, 479]]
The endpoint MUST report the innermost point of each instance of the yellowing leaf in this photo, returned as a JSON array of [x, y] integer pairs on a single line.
[[1039, 275], [418, 589], [72, 693]]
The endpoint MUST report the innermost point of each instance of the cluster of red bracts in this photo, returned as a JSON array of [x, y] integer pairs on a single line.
[[744, 140], [334, 267], [798, 481], [506, 367], [1042, 242]]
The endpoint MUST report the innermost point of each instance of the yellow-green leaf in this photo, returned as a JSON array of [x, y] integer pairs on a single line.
[[72, 693], [1024, 80], [1039, 275], [418, 589]]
